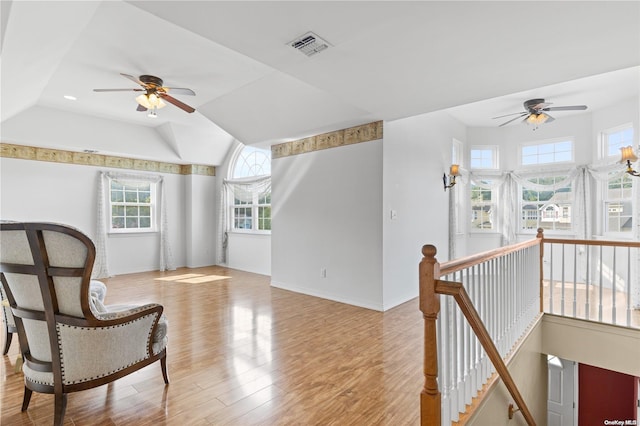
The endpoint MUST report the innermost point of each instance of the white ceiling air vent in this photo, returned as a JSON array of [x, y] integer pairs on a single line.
[[309, 44]]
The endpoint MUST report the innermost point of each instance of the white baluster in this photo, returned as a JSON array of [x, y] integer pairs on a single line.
[[614, 282], [600, 288], [587, 283], [551, 278], [575, 280], [629, 287], [444, 360], [563, 266]]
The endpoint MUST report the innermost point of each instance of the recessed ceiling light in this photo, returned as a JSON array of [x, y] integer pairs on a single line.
[[71, 98]]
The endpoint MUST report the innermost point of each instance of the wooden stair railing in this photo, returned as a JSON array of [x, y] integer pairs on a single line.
[[430, 289]]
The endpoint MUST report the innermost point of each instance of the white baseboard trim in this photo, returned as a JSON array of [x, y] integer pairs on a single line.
[[328, 296]]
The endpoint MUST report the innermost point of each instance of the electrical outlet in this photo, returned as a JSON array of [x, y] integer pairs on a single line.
[[323, 272]]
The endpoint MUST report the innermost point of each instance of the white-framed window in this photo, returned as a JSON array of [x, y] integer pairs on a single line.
[[482, 202], [252, 162], [615, 138], [132, 206], [251, 188], [549, 209], [547, 152], [618, 206], [483, 157]]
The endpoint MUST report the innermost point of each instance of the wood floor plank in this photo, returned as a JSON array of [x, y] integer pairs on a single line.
[[242, 353]]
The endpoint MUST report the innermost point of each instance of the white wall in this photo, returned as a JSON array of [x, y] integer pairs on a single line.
[[327, 214], [200, 228], [601, 345], [55, 192], [333, 210], [417, 151], [249, 252]]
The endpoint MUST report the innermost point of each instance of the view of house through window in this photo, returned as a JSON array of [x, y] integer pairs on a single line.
[[547, 209], [132, 206], [251, 208]]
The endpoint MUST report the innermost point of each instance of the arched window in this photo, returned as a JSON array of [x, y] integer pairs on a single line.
[[252, 162], [249, 190]]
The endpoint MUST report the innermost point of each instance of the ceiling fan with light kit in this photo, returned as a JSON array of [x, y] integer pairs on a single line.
[[535, 112], [155, 94]]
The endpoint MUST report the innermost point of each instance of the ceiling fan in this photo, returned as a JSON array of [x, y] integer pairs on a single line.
[[155, 94], [536, 112]]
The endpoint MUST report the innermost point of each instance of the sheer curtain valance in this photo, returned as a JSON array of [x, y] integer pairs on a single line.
[[101, 269], [580, 178]]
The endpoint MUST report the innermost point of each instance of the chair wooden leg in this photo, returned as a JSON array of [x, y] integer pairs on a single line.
[[60, 407], [7, 340], [26, 398], [163, 365]]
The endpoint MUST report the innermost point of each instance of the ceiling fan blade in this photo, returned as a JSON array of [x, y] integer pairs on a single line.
[[179, 91], [118, 90], [514, 119], [176, 102], [141, 108], [540, 106], [507, 115], [566, 108], [134, 79]]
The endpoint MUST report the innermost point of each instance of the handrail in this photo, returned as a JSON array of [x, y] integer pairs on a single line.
[[468, 270], [466, 306], [455, 265], [588, 273], [430, 289], [604, 243]]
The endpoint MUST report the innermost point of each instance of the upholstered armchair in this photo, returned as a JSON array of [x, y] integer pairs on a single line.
[[68, 339], [8, 322]]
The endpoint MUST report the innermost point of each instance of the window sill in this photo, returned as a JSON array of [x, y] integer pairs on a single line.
[[258, 233], [131, 233]]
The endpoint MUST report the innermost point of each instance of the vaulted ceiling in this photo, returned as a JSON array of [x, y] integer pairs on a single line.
[[386, 60]]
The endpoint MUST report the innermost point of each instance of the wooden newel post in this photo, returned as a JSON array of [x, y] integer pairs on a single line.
[[540, 236], [430, 306]]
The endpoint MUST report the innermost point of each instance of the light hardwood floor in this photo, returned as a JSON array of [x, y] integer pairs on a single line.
[[244, 353]]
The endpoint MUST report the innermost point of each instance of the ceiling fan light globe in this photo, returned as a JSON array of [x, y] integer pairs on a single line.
[[150, 101], [537, 118], [144, 101]]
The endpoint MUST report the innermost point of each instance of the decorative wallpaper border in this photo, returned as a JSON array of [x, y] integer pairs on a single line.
[[24, 152], [364, 133]]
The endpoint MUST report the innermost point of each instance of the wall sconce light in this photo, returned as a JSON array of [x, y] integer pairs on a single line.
[[453, 172], [629, 157]]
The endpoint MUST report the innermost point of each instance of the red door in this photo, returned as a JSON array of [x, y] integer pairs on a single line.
[[606, 397]]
